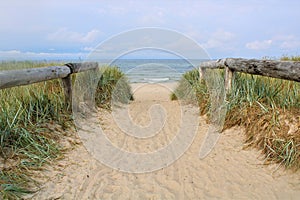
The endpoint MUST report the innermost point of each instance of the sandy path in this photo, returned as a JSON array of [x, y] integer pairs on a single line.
[[228, 172]]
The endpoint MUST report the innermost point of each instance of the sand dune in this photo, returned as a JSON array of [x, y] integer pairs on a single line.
[[228, 172]]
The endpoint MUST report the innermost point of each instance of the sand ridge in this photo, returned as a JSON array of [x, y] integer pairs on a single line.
[[229, 172]]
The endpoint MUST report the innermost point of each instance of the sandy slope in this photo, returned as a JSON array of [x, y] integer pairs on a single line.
[[228, 172]]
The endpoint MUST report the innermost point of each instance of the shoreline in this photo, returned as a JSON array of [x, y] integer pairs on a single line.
[[171, 85]]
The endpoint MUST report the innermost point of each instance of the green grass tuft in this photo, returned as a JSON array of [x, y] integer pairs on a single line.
[[28, 117], [26, 142], [112, 86], [268, 108]]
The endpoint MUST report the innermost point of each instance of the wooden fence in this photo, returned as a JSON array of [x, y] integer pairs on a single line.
[[12, 78], [289, 70]]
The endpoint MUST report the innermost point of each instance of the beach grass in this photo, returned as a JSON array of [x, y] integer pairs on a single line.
[[113, 85], [26, 142], [33, 119], [291, 58], [267, 108]]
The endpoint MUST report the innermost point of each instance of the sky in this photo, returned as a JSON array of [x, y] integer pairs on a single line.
[[52, 29]]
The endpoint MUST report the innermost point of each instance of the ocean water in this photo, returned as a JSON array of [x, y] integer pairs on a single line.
[[155, 70]]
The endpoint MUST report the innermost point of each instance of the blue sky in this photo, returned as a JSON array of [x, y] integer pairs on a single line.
[[32, 29]]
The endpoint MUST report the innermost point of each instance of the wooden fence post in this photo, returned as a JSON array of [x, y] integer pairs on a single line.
[[67, 84], [201, 73], [229, 74]]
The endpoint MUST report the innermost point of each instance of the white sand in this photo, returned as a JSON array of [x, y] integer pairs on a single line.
[[228, 172]]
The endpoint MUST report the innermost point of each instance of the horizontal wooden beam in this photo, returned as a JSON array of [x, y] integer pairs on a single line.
[[219, 64], [289, 70], [12, 78], [81, 67]]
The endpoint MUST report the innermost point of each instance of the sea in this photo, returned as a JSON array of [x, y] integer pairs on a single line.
[[138, 70], [155, 70]]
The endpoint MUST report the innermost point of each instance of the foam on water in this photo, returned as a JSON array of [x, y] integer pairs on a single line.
[[156, 80]]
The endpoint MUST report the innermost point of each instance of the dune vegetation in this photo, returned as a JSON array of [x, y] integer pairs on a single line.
[[267, 108], [33, 120]]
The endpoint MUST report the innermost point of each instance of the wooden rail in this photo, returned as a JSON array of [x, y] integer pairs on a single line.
[[12, 78], [289, 70]]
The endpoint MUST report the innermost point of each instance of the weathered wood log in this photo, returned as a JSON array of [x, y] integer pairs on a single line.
[[201, 73], [229, 74], [81, 67], [68, 91], [12, 78], [219, 64], [289, 70]]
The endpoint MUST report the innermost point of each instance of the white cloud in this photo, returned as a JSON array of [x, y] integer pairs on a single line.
[[138, 40], [288, 41], [28, 22], [259, 45], [11, 52], [222, 40], [283, 42], [19, 55], [66, 35]]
